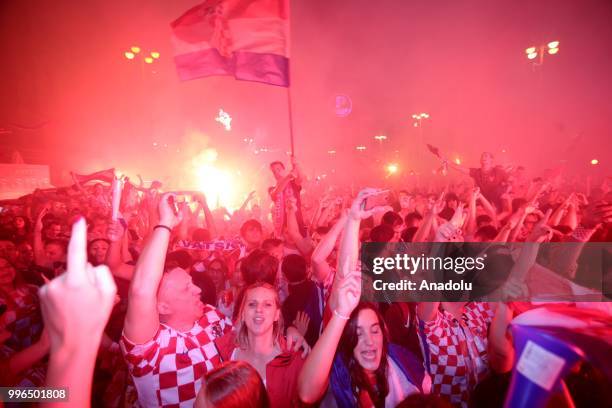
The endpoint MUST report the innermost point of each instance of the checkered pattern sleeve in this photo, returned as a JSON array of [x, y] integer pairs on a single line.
[[141, 358]]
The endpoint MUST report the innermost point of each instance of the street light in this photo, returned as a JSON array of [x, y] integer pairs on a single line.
[[360, 148], [134, 51], [380, 138], [419, 118], [533, 52]]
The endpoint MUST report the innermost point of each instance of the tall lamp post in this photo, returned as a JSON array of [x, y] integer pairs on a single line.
[[418, 123], [537, 54]]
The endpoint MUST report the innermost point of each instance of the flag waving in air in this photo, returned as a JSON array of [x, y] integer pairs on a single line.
[[248, 39]]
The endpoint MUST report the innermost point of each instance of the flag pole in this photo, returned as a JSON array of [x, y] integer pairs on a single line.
[[287, 4], [290, 112]]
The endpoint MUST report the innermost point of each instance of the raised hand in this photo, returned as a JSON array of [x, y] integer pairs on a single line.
[[541, 231], [513, 289], [301, 322], [357, 210], [459, 216], [596, 214], [296, 341], [167, 215], [201, 198], [291, 204], [115, 231], [348, 293], [438, 205], [77, 304]]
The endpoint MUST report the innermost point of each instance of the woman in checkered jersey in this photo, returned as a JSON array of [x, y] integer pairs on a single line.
[[258, 341]]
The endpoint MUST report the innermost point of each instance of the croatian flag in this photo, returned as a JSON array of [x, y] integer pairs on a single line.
[[248, 39]]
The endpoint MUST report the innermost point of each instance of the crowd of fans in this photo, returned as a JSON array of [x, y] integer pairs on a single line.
[[171, 303]]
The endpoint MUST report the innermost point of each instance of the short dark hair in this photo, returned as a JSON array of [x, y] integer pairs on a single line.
[[483, 219], [248, 224], [382, 233], [451, 196], [486, 233], [270, 243], [277, 162], [392, 219], [179, 258], [411, 217], [201, 234], [294, 268], [259, 266], [408, 234]]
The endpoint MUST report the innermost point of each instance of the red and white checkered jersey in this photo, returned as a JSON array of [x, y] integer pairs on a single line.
[[22, 317], [168, 369], [458, 351]]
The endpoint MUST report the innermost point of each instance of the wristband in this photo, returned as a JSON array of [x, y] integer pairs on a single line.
[[341, 316], [163, 226]]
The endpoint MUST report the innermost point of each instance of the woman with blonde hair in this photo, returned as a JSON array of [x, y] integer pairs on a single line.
[[258, 340]]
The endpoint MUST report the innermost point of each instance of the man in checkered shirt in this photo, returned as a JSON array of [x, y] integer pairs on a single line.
[[168, 334], [455, 346]]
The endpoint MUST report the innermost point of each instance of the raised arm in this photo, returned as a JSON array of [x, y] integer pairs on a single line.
[[76, 306], [314, 377], [303, 244], [500, 348], [558, 214], [38, 247], [298, 175], [471, 220], [116, 235], [424, 231], [142, 318], [565, 260], [349, 244], [457, 167], [320, 267], [280, 186], [210, 221], [488, 207]]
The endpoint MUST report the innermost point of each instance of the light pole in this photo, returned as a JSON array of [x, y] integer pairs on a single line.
[[418, 123], [534, 52]]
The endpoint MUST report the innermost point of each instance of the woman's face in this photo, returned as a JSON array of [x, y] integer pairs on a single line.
[[97, 252], [19, 222], [7, 272], [369, 347], [260, 310], [26, 254], [215, 271]]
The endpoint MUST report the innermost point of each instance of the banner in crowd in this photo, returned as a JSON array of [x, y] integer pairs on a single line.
[[245, 39], [229, 246], [107, 175], [20, 179]]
